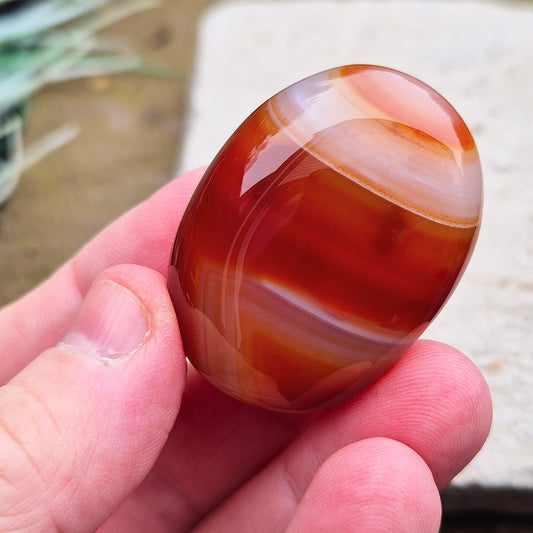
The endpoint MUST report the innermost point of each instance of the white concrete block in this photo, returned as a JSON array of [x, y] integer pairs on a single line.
[[479, 55]]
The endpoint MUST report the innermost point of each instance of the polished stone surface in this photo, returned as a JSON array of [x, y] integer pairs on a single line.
[[325, 236]]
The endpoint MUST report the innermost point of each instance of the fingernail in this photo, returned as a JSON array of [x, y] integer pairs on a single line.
[[112, 322]]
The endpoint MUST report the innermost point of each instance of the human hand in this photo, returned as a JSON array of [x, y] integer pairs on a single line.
[[94, 377]]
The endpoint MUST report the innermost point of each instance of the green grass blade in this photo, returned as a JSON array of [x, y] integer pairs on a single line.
[[37, 17]]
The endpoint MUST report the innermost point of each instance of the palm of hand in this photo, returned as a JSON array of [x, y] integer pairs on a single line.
[[111, 452]]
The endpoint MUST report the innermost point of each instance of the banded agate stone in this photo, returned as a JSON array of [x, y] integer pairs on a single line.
[[325, 236]]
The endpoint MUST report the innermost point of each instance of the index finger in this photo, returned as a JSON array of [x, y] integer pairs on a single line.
[[142, 236]]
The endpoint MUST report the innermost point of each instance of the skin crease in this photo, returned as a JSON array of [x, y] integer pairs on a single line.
[[137, 442]]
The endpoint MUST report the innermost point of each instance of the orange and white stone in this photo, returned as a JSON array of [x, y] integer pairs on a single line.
[[325, 236]]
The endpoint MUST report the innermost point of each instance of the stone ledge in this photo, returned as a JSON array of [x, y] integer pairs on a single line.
[[478, 55]]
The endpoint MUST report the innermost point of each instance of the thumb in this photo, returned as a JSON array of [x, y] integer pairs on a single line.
[[82, 425]]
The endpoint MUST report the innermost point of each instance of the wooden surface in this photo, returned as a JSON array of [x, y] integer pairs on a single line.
[[131, 128]]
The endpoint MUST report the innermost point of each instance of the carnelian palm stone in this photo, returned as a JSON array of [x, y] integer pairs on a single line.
[[325, 236]]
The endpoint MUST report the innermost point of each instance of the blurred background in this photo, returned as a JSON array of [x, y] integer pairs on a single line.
[[130, 131], [122, 135]]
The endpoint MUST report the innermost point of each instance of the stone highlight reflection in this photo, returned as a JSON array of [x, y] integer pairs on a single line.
[[325, 236]]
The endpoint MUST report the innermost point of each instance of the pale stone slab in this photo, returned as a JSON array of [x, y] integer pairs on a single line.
[[479, 56]]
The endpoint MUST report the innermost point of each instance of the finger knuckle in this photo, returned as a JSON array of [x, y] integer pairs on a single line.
[[29, 437]]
